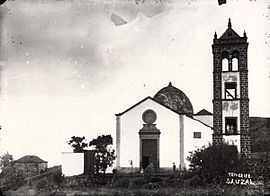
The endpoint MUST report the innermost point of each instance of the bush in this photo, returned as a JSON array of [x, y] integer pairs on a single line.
[[42, 184], [58, 177], [155, 179], [136, 183], [149, 171], [12, 178], [151, 185], [100, 180], [122, 183], [210, 165], [194, 181]]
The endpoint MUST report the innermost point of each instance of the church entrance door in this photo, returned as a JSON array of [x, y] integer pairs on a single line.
[[149, 152]]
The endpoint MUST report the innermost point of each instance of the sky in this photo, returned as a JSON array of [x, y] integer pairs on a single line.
[[67, 67]]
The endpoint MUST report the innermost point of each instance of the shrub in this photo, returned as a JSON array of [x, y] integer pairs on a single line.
[[155, 179], [12, 178], [58, 177], [151, 185], [100, 180], [42, 184], [136, 183], [210, 165], [149, 171], [194, 181], [122, 183]]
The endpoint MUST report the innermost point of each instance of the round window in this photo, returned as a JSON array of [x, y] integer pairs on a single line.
[[149, 116]]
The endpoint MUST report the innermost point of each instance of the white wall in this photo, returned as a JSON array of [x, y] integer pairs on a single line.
[[190, 143], [72, 163], [207, 119], [168, 124]]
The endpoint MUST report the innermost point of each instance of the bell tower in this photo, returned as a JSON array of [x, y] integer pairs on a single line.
[[230, 82]]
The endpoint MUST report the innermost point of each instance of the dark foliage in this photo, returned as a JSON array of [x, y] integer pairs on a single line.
[[77, 143], [58, 177], [6, 161], [122, 182], [11, 177], [138, 182], [42, 184], [156, 179], [259, 167], [149, 172], [211, 164], [261, 146], [104, 154]]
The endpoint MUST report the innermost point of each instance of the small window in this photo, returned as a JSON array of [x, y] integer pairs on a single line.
[[230, 125], [230, 90], [197, 135]]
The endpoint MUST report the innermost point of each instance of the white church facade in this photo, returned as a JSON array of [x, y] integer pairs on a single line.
[[163, 129]]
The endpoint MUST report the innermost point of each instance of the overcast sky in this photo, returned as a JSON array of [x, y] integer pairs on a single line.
[[67, 68]]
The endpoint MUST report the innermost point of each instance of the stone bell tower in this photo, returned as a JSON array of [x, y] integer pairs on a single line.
[[231, 102]]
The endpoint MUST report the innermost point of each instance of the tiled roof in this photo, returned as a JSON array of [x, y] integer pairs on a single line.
[[203, 112], [175, 99], [30, 159]]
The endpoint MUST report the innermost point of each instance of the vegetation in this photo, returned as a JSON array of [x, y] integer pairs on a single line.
[[103, 152], [261, 146], [11, 177], [58, 177], [77, 143], [258, 166], [6, 161], [211, 164]]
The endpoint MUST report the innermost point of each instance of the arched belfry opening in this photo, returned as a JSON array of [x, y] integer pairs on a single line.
[[225, 64], [229, 60], [149, 140], [234, 64], [235, 57]]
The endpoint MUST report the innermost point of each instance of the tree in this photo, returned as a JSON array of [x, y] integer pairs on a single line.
[[78, 143], [103, 153], [11, 177], [212, 163], [6, 161]]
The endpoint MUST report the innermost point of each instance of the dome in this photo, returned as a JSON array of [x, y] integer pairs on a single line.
[[175, 99]]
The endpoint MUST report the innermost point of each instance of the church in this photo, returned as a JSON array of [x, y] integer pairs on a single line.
[[163, 130]]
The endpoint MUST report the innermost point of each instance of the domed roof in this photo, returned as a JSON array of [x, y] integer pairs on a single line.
[[175, 99]]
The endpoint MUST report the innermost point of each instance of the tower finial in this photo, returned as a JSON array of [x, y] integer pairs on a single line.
[[229, 23], [245, 35], [170, 84], [215, 36]]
